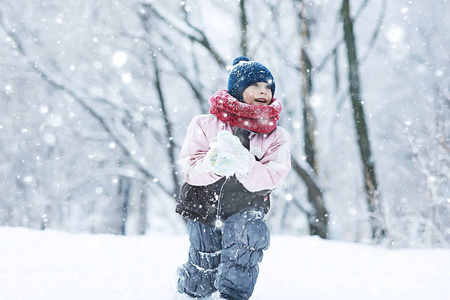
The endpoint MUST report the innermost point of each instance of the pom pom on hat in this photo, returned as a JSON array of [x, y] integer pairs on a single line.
[[246, 72], [239, 59]]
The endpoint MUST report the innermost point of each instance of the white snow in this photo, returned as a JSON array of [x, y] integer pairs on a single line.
[[57, 265]]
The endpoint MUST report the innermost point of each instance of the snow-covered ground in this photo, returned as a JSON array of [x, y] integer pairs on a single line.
[[56, 265]]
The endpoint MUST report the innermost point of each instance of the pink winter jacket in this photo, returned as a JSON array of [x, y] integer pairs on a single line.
[[272, 150]]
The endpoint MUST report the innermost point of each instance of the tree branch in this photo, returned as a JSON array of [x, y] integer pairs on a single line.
[[198, 37], [104, 124]]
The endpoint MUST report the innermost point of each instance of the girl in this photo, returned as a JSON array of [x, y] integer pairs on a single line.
[[231, 159]]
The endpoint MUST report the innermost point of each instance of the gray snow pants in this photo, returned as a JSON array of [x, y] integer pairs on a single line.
[[225, 259]]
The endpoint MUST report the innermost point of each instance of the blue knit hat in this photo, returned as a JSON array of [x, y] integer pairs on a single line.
[[244, 73]]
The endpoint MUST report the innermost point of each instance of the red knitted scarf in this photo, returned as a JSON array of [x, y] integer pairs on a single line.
[[261, 119]]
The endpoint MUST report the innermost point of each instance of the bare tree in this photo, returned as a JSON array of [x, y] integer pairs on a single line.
[[111, 162], [168, 127], [318, 219], [119, 126], [368, 164]]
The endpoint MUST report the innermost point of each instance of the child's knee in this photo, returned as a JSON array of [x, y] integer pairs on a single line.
[[256, 235], [248, 229]]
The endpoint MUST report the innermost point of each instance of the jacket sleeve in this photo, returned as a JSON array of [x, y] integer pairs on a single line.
[[192, 154], [274, 166]]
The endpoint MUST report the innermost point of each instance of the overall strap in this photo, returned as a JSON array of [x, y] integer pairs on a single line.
[[244, 137]]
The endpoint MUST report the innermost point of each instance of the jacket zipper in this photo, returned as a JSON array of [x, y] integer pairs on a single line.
[[219, 222]]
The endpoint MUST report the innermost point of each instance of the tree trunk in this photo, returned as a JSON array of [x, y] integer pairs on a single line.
[[124, 191], [244, 48], [318, 219], [142, 225], [368, 165], [168, 126], [309, 121], [337, 81]]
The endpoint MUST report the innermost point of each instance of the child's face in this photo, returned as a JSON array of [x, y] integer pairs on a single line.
[[258, 93]]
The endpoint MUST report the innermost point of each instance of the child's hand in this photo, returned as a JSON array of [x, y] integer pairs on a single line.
[[223, 142], [226, 142], [245, 161], [221, 163]]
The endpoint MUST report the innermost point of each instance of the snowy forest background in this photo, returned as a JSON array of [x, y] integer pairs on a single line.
[[96, 97]]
